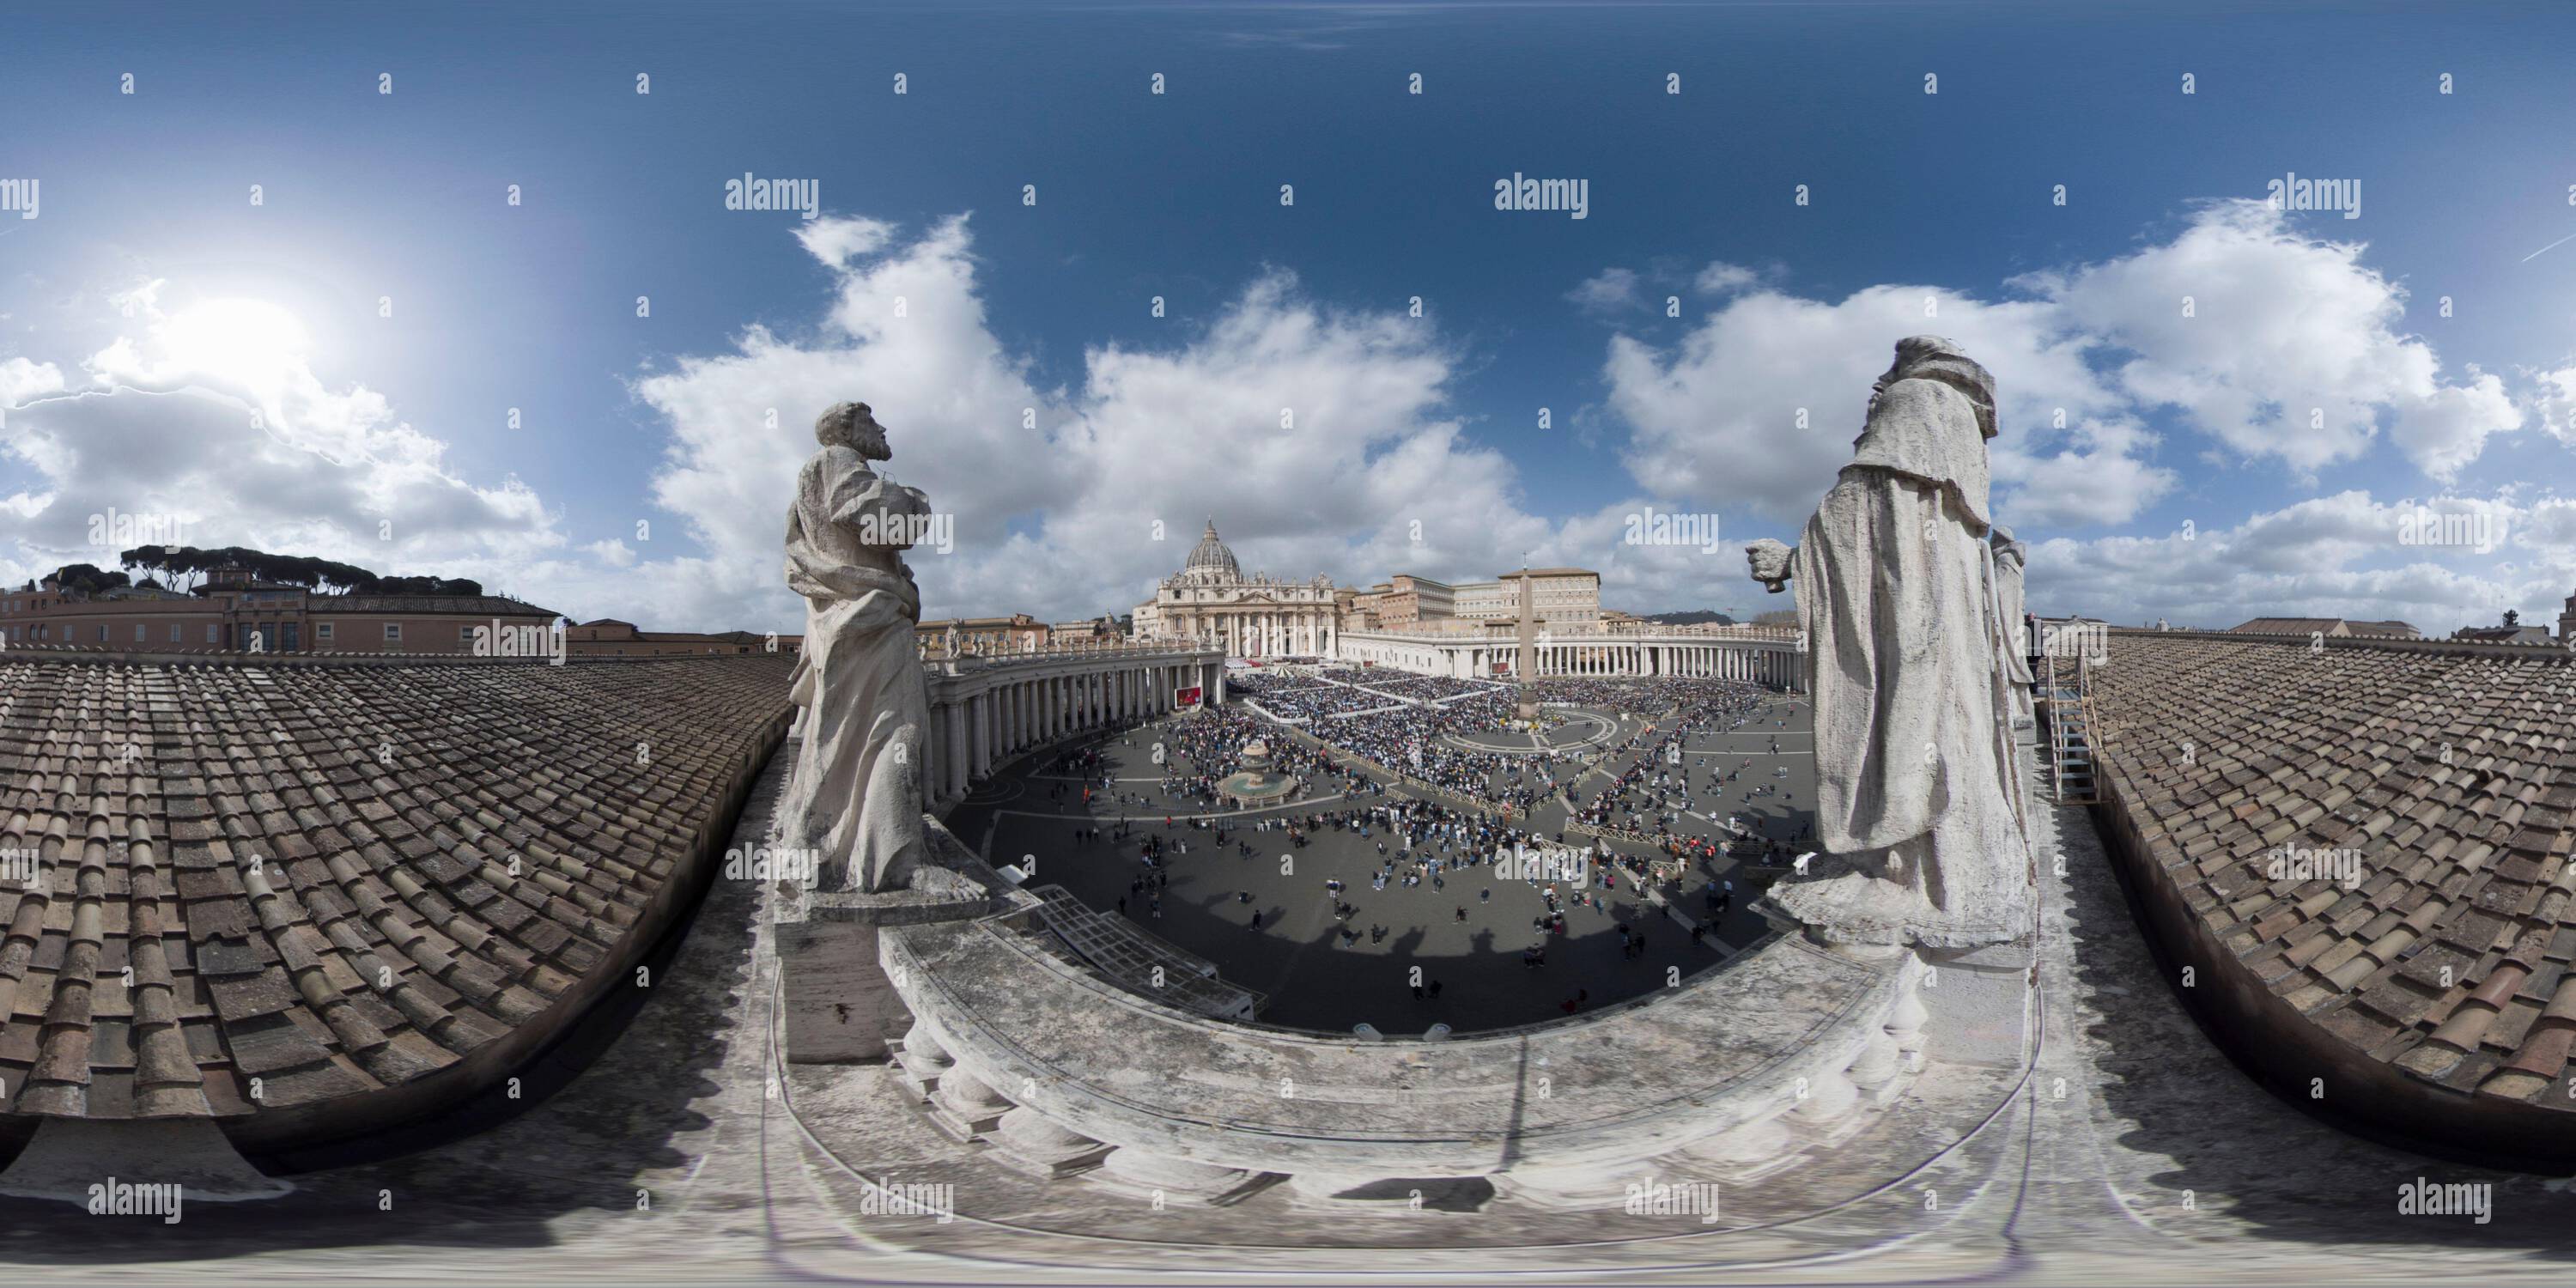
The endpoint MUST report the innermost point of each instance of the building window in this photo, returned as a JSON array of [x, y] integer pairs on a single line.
[[393, 632], [211, 636], [102, 634], [322, 632], [465, 634], [139, 633]]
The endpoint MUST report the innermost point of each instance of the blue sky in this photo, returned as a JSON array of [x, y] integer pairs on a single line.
[[1431, 421]]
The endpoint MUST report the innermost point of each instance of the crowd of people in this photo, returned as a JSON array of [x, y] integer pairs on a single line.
[[1648, 798], [1483, 804]]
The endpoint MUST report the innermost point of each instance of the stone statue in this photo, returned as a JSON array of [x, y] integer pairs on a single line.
[[856, 791], [2010, 555], [1896, 600]]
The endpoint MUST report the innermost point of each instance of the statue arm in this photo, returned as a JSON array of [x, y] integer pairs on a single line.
[[1770, 562], [854, 492]]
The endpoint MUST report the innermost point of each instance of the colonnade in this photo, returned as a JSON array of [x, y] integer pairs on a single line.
[[984, 710], [1257, 632], [1773, 662]]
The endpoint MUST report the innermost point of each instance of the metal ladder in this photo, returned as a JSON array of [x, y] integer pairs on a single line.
[[2066, 702]]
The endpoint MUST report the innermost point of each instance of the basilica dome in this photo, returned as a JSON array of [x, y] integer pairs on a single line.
[[1210, 554]]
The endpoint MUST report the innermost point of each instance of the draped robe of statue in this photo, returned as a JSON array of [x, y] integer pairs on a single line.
[[856, 790], [2010, 555], [1896, 599]]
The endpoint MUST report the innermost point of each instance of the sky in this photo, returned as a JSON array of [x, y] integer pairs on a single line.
[[456, 291]]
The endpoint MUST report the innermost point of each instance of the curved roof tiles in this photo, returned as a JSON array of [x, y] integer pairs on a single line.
[[231, 890], [2380, 834]]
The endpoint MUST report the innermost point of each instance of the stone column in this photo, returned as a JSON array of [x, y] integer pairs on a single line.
[[1175, 1178], [961, 754], [1830, 1098], [1035, 1143], [923, 1061], [965, 1107]]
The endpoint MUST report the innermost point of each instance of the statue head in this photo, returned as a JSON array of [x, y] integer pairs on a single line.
[[1930, 357], [852, 425]]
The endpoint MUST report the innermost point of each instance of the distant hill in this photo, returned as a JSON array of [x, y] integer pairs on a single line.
[[1695, 617]]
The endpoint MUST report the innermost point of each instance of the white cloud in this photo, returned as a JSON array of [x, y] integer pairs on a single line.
[[1612, 290], [2552, 402], [2290, 352], [2446, 428], [2099, 479], [1080, 512], [836, 240], [21, 380], [216, 421], [2290, 347], [2344, 555], [1722, 278], [614, 553], [1716, 420]]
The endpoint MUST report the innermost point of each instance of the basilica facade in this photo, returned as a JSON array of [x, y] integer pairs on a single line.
[[1211, 601]]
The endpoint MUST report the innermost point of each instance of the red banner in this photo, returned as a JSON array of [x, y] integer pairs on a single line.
[[1188, 697]]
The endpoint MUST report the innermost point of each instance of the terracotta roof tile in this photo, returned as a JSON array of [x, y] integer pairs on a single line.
[[2444, 780], [304, 917]]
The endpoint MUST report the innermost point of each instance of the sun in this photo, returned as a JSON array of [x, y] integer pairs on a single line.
[[250, 342]]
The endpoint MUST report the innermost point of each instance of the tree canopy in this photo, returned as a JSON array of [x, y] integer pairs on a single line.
[[190, 564]]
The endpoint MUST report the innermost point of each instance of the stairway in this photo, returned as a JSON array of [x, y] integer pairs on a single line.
[[2066, 712]]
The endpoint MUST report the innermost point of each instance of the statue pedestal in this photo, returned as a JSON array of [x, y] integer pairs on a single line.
[[1978, 1000], [840, 1004]]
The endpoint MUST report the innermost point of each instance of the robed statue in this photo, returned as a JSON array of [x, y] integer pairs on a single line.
[[856, 792], [1917, 804]]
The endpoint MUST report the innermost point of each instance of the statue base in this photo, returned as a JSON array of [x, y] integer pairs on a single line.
[[1838, 903], [840, 1004]]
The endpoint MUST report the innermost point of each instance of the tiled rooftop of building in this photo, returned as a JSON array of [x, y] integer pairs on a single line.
[[258, 888], [2443, 773]]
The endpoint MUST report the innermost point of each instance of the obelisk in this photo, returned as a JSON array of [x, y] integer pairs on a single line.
[[1527, 669]]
